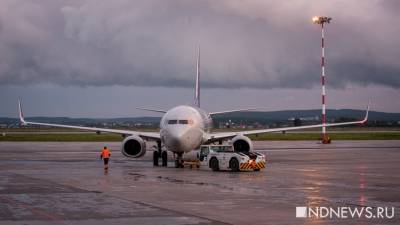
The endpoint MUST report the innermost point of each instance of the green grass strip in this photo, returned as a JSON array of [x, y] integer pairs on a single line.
[[333, 136], [84, 137]]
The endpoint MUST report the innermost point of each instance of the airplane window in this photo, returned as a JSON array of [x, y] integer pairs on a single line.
[[172, 121], [183, 122]]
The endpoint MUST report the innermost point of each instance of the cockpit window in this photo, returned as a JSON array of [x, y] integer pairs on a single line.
[[172, 121], [183, 122]]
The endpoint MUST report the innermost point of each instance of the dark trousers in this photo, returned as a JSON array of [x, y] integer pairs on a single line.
[[106, 161]]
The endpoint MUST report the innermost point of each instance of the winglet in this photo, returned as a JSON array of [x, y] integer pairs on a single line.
[[366, 114], [21, 114]]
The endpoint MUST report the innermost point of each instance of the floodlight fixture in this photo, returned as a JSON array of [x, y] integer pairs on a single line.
[[321, 19]]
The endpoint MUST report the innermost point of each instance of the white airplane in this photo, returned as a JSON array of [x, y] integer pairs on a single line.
[[183, 129]]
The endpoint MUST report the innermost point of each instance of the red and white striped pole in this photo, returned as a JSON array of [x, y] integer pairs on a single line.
[[322, 20]]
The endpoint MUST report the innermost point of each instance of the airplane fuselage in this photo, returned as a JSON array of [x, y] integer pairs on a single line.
[[183, 128]]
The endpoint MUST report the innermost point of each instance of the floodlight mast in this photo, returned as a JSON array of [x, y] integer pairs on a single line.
[[321, 20]]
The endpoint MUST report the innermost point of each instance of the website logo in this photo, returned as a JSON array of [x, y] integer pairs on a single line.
[[345, 212]]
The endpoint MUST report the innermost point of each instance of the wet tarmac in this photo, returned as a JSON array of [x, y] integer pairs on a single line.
[[64, 183]]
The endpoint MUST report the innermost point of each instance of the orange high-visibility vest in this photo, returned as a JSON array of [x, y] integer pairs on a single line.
[[105, 153]]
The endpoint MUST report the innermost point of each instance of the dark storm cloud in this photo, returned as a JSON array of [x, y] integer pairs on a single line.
[[153, 42]]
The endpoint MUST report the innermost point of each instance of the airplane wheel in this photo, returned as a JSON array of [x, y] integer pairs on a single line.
[[234, 165], [214, 164], [164, 157], [178, 163], [155, 158]]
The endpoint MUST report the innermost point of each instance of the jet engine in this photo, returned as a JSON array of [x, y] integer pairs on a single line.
[[133, 146], [242, 144]]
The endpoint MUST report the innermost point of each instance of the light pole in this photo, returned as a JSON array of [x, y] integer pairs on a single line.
[[321, 20]]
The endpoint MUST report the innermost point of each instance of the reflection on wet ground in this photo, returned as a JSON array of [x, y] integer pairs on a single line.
[[64, 183]]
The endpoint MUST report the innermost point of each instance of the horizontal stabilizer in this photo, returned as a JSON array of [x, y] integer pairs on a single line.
[[234, 110], [152, 110]]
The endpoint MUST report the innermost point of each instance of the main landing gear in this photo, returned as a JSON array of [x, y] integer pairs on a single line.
[[160, 154], [164, 158]]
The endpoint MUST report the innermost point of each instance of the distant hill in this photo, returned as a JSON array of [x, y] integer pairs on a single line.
[[262, 117], [331, 113]]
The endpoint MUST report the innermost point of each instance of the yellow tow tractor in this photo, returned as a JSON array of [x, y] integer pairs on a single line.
[[223, 157]]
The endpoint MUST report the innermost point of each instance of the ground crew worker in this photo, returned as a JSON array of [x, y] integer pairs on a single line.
[[105, 155]]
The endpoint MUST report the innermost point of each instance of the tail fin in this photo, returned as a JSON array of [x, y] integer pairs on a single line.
[[197, 88]]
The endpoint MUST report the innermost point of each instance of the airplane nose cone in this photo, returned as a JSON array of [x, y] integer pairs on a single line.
[[177, 134], [180, 140], [177, 138]]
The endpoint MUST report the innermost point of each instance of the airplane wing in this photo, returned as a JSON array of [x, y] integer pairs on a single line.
[[234, 110], [146, 135], [225, 135]]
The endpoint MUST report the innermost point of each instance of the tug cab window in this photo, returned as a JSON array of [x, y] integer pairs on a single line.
[[222, 148], [203, 153]]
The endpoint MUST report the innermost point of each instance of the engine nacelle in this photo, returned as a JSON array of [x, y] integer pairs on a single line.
[[242, 144], [133, 146]]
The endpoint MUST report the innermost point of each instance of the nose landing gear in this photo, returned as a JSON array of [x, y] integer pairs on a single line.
[[179, 160]]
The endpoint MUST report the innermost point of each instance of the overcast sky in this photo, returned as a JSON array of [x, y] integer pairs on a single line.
[[93, 58]]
